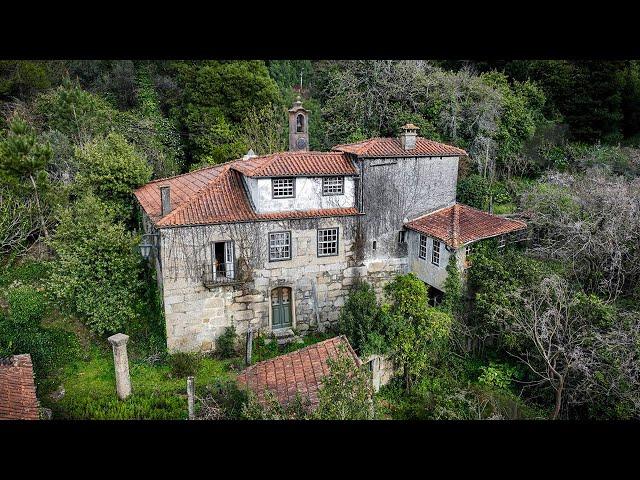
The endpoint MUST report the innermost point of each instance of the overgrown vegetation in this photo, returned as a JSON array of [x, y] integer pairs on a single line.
[[549, 329]]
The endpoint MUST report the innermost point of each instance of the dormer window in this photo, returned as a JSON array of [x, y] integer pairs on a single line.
[[300, 123], [283, 187]]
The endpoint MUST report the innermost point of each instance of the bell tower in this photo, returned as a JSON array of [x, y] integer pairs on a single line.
[[298, 127]]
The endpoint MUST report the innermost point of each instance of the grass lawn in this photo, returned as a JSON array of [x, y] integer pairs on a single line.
[[90, 389]]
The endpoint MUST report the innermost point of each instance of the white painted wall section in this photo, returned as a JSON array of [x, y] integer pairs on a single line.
[[308, 195]]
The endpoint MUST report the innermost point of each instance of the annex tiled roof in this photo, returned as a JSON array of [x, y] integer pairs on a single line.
[[460, 224], [296, 164], [183, 188], [17, 389], [296, 372], [391, 147], [215, 195]]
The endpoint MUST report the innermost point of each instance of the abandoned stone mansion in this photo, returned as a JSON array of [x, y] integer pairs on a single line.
[[276, 242]]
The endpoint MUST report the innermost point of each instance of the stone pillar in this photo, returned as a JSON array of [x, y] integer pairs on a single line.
[[191, 393], [121, 362]]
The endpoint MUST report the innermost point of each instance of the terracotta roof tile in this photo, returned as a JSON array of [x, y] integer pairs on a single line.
[[296, 372], [391, 147], [17, 389], [216, 194], [460, 224], [297, 164], [183, 187]]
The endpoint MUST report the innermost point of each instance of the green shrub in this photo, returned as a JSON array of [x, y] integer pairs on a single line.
[[346, 392], [184, 364], [497, 375], [226, 343], [227, 395], [453, 288], [474, 190], [98, 273], [50, 348], [363, 321], [26, 305], [262, 350], [500, 193], [112, 169], [28, 272], [421, 333]]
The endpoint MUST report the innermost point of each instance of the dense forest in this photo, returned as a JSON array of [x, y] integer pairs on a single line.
[[549, 329]]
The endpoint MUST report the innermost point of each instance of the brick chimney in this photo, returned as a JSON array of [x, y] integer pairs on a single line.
[[165, 199], [408, 136]]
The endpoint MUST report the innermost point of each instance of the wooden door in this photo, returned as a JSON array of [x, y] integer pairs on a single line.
[[281, 307]]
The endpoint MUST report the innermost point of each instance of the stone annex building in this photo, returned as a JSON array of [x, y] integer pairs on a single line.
[[277, 241]]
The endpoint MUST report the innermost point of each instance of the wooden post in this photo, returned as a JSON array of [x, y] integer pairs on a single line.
[[191, 393], [249, 346]]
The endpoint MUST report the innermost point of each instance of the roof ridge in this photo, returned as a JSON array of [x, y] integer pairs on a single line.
[[430, 213], [455, 224], [240, 160], [362, 146], [201, 169]]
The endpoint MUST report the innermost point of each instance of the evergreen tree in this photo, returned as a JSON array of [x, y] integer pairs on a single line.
[[23, 160]]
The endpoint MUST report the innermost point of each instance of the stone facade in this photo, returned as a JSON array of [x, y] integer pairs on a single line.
[[397, 189], [196, 316], [380, 192], [391, 191]]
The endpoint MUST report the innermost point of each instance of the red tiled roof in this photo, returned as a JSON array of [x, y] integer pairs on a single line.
[[460, 224], [391, 147], [17, 389], [183, 188], [297, 163], [216, 195], [296, 372]]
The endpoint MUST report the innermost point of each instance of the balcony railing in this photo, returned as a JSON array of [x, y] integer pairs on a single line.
[[220, 274]]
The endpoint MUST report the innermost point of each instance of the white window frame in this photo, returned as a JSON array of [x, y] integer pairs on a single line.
[[332, 186], [279, 242], [422, 247], [229, 259], [324, 244], [283, 187], [435, 252]]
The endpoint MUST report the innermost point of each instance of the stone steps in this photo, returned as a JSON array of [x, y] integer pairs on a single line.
[[284, 336]]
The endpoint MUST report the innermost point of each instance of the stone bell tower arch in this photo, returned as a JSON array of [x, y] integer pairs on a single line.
[[298, 127]]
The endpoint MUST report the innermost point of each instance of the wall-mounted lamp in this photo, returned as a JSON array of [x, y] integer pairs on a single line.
[[147, 244]]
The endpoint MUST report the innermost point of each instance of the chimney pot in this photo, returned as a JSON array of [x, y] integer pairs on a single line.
[[165, 199]]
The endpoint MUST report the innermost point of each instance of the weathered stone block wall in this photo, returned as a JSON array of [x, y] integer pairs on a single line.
[[196, 316], [400, 189]]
